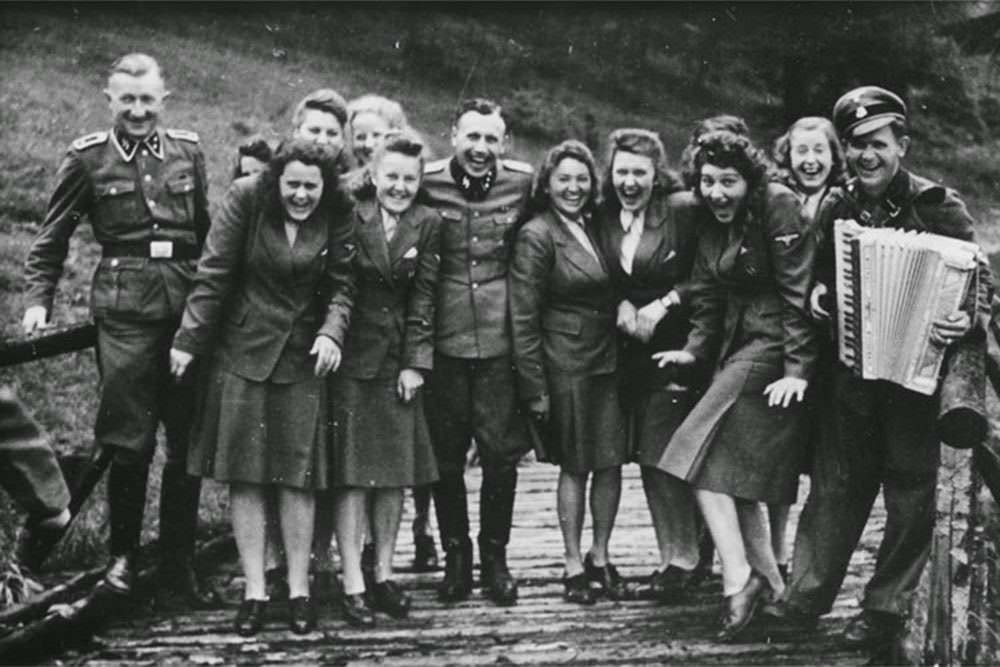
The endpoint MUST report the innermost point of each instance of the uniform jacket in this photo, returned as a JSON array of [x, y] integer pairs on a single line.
[[562, 306], [265, 300], [475, 250], [148, 197], [750, 286], [392, 324]]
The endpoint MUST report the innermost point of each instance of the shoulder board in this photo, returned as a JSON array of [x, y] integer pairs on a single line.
[[517, 165], [93, 139], [436, 166], [183, 135]]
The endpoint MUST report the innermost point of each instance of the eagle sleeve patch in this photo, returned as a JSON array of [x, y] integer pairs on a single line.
[[92, 139], [787, 239]]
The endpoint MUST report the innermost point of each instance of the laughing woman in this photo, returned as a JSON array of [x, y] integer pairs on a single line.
[[273, 293], [742, 443], [381, 444], [562, 305]]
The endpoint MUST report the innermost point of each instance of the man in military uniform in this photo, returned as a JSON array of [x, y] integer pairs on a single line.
[[880, 433], [471, 393], [144, 191]]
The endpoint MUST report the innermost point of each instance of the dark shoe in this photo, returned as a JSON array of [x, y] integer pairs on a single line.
[[872, 628], [250, 617], [356, 610], [738, 609], [387, 596], [667, 586], [783, 616], [612, 583], [120, 575], [181, 580], [301, 615], [276, 580], [35, 540], [425, 557], [368, 565], [494, 576], [577, 589], [457, 583]]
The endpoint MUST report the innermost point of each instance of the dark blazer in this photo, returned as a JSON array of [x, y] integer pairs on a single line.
[[750, 287], [392, 325], [264, 300], [562, 306]]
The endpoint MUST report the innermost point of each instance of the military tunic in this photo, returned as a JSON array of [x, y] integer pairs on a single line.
[[147, 205]]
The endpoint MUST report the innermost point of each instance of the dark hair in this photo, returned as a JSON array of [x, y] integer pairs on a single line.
[[724, 121], [541, 198], [725, 149], [638, 142], [326, 100], [781, 152], [333, 202], [404, 143], [255, 147], [480, 105]]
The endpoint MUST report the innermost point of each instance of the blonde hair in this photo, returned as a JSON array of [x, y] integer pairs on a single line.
[[135, 64]]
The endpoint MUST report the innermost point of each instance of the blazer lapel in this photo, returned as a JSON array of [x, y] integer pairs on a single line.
[[575, 253], [372, 238], [406, 237], [310, 240], [649, 242]]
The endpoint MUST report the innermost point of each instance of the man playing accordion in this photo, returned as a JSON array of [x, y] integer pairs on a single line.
[[879, 433]]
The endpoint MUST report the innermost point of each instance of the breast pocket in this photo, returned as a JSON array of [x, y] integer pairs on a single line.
[[180, 194], [117, 204]]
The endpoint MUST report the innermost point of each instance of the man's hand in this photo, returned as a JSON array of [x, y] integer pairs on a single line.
[[538, 408], [781, 392], [35, 319], [410, 380], [947, 330], [327, 355], [678, 357], [647, 318], [819, 313], [179, 362], [627, 318]]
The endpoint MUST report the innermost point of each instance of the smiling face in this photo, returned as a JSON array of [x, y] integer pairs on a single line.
[[368, 132], [723, 190], [478, 140], [811, 159], [570, 184], [136, 101], [396, 178], [875, 158], [632, 177], [322, 128], [301, 188]]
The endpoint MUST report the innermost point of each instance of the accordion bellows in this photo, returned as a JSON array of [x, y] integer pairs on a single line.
[[891, 285]]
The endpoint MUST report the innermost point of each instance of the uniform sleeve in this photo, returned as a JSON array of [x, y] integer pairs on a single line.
[[202, 221], [707, 298], [218, 269], [71, 200], [418, 344], [534, 256], [792, 250], [340, 277]]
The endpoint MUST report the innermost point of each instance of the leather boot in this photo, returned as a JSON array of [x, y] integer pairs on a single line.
[[457, 583], [494, 576], [126, 501], [179, 496]]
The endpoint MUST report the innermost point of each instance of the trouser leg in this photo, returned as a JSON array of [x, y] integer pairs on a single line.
[[449, 419]]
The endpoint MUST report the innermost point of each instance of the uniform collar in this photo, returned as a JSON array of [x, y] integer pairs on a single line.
[[128, 146], [475, 188]]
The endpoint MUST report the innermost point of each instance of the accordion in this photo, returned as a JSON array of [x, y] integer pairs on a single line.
[[891, 285]]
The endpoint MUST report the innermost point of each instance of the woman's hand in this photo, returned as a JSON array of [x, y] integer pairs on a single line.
[[947, 330], [327, 355], [409, 382], [781, 392], [179, 362], [816, 308], [647, 318], [626, 318], [677, 357]]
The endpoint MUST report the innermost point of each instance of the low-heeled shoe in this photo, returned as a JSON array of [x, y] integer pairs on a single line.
[[356, 610], [389, 597], [738, 609], [577, 589], [425, 557], [301, 615], [250, 617], [873, 628], [612, 583]]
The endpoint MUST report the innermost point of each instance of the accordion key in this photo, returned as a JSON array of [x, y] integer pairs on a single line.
[[891, 285]]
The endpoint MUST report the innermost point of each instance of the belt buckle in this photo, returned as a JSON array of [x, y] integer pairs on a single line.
[[161, 249]]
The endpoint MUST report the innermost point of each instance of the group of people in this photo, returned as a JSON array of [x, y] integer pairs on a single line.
[[354, 318]]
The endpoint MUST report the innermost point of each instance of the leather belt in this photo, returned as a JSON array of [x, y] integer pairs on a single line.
[[151, 250]]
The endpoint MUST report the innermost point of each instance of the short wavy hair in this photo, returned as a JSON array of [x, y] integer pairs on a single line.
[[541, 198], [725, 149], [404, 143], [781, 152], [480, 105], [326, 100], [639, 142], [334, 200], [724, 121], [255, 147]]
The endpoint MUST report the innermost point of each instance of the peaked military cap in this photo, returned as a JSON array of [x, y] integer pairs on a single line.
[[867, 109]]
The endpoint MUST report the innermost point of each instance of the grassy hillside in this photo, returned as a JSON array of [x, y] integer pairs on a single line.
[[237, 69]]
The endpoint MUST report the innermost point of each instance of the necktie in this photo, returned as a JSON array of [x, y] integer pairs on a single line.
[[389, 224], [632, 224]]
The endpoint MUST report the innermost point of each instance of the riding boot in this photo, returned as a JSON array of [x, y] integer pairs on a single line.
[[457, 583], [496, 512], [126, 502], [451, 505], [494, 577], [179, 496]]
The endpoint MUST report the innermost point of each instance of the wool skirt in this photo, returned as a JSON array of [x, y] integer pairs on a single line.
[[261, 432], [651, 420], [732, 442], [377, 441], [586, 429]]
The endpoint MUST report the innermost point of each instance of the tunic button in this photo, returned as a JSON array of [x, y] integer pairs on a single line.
[[114, 262], [475, 262], [114, 191], [475, 214], [145, 153], [475, 285], [147, 178], [156, 226], [475, 239], [151, 203], [385, 310]]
